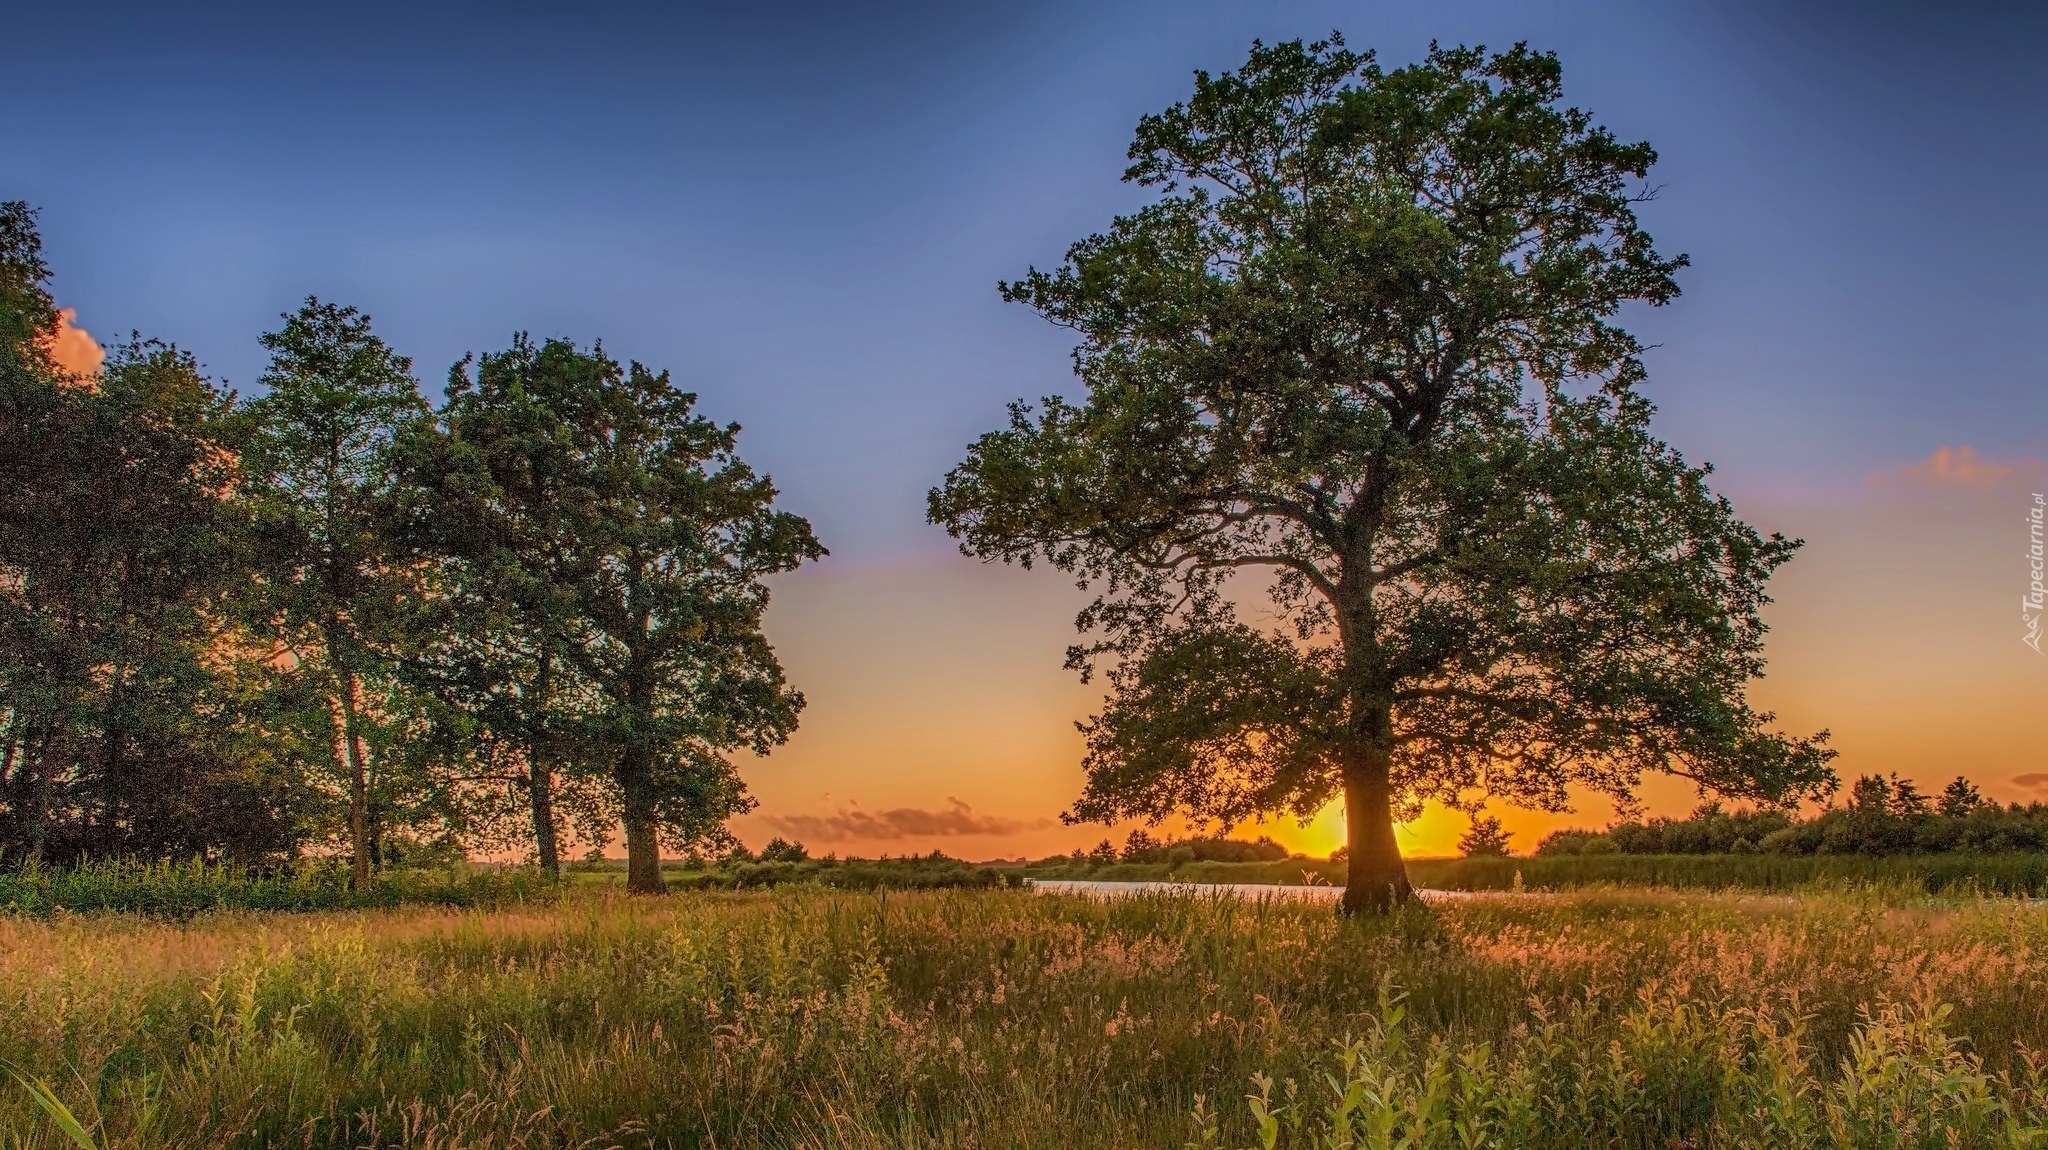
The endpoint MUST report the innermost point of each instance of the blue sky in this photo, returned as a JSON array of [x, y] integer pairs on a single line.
[[803, 209]]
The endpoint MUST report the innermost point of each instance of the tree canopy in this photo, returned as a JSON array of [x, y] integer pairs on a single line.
[[334, 620], [316, 475], [675, 540], [118, 731], [1365, 341]]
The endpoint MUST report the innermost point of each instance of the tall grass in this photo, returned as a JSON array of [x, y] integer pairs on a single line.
[[807, 1017], [183, 889], [932, 872], [2004, 874]]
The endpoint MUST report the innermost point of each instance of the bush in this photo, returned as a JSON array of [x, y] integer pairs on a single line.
[[1485, 839], [175, 890], [1143, 848], [1885, 815], [780, 849], [932, 872]]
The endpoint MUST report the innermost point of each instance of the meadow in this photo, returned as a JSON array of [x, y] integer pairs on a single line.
[[809, 1017], [2017, 873]]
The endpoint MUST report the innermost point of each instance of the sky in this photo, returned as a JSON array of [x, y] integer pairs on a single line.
[[802, 210]]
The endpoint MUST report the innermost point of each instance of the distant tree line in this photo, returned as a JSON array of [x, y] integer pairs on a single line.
[[1883, 816], [1141, 847], [333, 618]]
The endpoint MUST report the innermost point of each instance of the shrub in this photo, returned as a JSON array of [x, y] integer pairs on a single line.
[[780, 849], [1485, 839], [175, 890]]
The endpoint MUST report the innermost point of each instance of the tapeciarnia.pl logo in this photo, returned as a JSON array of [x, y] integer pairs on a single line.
[[2036, 598]]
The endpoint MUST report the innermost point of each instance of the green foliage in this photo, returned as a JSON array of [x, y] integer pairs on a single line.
[[53, 1108], [1676, 1075], [1143, 848], [316, 479], [118, 726], [674, 537], [329, 618], [1884, 816], [1363, 340], [1485, 839], [496, 491], [2013, 874], [180, 890], [929, 872], [780, 849]]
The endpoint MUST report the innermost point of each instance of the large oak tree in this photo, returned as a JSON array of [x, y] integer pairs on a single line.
[[1364, 340], [498, 491], [666, 536]]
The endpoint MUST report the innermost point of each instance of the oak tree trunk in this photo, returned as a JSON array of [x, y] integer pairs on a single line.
[[1375, 874], [540, 795], [643, 849], [1375, 877]]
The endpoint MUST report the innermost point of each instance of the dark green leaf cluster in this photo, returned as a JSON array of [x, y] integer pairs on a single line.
[[120, 731]]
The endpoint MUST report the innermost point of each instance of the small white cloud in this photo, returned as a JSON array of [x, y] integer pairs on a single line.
[[1960, 467]]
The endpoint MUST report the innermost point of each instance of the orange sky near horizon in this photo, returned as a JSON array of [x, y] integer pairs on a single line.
[[940, 717]]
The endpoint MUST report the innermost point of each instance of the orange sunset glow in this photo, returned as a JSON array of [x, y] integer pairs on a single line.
[[935, 685]]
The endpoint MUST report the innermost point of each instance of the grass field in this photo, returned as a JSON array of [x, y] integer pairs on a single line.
[[805, 1017], [2006, 874]]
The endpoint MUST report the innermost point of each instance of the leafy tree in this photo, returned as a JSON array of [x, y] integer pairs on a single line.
[[674, 536], [1959, 798], [1485, 839], [1876, 820], [783, 850], [1364, 342], [317, 475], [1871, 795], [499, 492], [115, 552], [1907, 801]]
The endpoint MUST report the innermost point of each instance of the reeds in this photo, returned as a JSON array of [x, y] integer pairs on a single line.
[[804, 1017], [2019, 873]]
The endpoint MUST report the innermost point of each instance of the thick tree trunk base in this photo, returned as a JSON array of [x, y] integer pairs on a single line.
[[643, 857], [1376, 880], [1377, 892]]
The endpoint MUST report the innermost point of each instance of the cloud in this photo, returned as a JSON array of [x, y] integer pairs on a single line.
[[72, 349], [2033, 781], [901, 823], [1959, 467]]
